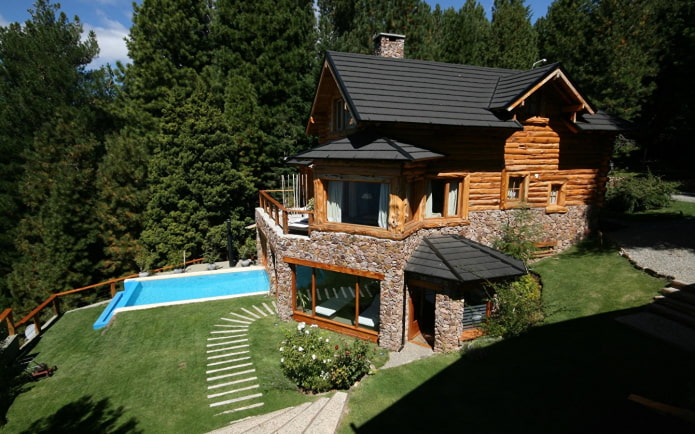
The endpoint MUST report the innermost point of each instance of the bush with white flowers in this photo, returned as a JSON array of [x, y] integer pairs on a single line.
[[315, 363]]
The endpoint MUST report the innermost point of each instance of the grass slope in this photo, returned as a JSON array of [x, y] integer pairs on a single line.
[[144, 373], [572, 374]]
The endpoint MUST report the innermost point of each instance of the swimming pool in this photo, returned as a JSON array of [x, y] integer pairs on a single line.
[[171, 289]]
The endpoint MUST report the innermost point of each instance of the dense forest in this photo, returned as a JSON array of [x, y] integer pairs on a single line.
[[110, 170]]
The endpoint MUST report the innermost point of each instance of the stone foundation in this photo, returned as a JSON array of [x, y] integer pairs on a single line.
[[389, 257]]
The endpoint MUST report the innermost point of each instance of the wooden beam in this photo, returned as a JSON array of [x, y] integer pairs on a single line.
[[336, 268]]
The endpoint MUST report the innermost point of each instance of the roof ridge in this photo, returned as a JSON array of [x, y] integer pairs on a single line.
[[444, 261], [398, 148]]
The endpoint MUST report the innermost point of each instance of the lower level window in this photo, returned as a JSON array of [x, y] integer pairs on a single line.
[[343, 298]]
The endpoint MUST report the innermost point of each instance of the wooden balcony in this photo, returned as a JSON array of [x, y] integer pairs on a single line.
[[291, 220]]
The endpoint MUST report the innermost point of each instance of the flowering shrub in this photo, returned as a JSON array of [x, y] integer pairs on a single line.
[[317, 364]]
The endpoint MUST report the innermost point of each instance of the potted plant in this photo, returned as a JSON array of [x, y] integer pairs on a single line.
[[247, 252], [144, 259], [213, 244]]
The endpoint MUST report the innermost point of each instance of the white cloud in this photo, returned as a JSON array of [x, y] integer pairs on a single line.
[[111, 38], [3, 21]]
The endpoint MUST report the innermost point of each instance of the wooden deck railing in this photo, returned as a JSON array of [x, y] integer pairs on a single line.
[[279, 213], [35, 315]]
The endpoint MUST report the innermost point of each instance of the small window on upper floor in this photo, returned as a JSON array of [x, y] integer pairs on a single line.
[[556, 198], [342, 118], [515, 190]]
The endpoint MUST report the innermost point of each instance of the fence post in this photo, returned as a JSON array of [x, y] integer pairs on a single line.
[[113, 289], [37, 326], [56, 306]]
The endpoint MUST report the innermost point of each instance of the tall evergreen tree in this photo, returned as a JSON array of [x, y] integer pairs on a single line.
[[464, 35], [51, 117], [272, 44], [412, 18], [200, 181], [58, 236], [513, 40], [610, 48]]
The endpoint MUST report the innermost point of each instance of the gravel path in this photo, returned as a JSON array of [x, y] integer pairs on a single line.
[[666, 247]]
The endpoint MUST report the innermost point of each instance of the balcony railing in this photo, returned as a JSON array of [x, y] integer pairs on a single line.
[[290, 219]]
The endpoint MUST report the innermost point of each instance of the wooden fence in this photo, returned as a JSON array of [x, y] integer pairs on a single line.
[[54, 301]]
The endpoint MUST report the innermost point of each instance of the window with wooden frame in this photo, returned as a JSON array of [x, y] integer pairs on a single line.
[[556, 198], [445, 198], [342, 118], [337, 300], [515, 190]]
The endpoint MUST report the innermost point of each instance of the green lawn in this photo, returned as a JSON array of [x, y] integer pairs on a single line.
[[144, 373], [570, 375]]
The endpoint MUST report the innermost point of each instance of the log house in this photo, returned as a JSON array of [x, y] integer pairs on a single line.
[[419, 166]]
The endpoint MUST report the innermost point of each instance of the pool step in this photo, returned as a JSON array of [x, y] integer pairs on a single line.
[[231, 376]]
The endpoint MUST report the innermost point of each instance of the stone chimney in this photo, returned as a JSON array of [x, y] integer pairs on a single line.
[[389, 45]]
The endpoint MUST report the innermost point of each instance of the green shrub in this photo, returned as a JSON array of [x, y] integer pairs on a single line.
[[516, 307], [518, 234], [640, 193], [317, 364]]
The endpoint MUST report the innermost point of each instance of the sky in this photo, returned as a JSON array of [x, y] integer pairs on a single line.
[[111, 19]]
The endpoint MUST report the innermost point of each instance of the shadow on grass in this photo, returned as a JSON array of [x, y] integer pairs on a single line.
[[85, 416], [570, 377]]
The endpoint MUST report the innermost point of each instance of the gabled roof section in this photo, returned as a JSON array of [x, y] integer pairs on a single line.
[[514, 88], [365, 146], [452, 257]]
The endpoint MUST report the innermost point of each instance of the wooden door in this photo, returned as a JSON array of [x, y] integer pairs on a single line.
[[413, 325]]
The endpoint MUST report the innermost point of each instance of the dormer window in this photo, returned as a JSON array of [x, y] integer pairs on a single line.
[[342, 118]]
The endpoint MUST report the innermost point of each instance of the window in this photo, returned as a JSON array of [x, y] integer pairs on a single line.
[[361, 203], [342, 298], [342, 119], [475, 309], [516, 189], [556, 198], [442, 198]]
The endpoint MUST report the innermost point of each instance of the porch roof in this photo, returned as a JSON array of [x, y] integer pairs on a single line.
[[365, 146], [453, 257]]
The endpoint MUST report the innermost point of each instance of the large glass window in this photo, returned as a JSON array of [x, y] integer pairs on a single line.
[[339, 297], [361, 203]]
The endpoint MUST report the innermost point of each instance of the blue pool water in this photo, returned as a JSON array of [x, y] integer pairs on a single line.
[[143, 293]]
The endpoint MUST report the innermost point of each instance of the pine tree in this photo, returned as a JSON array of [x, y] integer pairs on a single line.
[[58, 236], [199, 179], [412, 18], [51, 120], [464, 35], [513, 40]]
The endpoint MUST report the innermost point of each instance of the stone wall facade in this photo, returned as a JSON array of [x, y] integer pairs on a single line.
[[389, 257]]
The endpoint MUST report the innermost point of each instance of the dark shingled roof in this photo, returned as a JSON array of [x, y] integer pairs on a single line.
[[602, 121], [456, 258], [366, 146], [516, 83], [381, 89]]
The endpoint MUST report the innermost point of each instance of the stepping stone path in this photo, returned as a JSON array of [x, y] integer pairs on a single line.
[[232, 383], [233, 387]]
